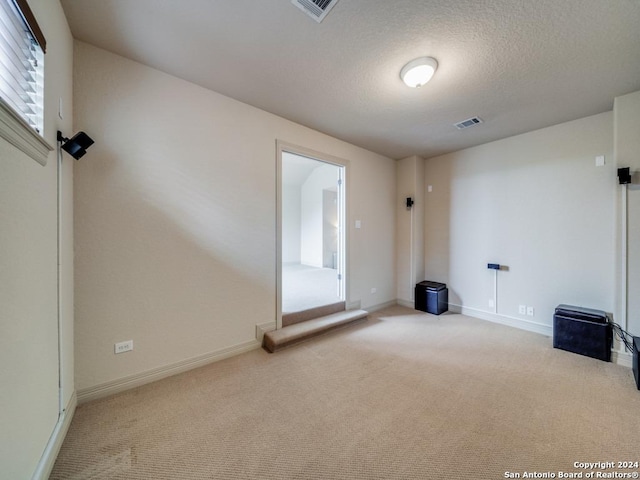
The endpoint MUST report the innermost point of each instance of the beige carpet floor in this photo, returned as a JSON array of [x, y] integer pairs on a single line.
[[305, 287], [404, 395]]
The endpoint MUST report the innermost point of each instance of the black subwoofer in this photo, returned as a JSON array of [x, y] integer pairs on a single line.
[[583, 331], [432, 297]]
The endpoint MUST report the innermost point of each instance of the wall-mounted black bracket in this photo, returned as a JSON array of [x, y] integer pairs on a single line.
[[624, 175]]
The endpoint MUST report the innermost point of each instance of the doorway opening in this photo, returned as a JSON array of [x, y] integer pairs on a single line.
[[311, 233]]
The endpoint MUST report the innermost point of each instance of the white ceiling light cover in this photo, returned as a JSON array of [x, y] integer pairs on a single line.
[[419, 71]]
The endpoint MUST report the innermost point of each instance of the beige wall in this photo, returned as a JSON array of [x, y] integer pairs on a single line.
[[410, 228], [627, 150], [536, 203], [311, 214], [175, 218], [28, 271], [291, 223]]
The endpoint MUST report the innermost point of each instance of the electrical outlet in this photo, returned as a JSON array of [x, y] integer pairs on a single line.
[[491, 303], [123, 347], [522, 309], [530, 311], [374, 290]]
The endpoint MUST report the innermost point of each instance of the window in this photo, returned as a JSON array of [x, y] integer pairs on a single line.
[[22, 48]]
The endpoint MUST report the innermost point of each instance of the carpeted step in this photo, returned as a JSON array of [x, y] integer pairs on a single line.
[[299, 332], [316, 312]]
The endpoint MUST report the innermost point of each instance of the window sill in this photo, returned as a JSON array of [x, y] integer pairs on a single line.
[[18, 133]]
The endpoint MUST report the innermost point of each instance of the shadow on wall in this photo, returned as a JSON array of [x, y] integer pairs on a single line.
[[163, 259], [438, 224]]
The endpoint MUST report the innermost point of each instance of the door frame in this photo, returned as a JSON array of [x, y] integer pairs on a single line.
[[282, 146]]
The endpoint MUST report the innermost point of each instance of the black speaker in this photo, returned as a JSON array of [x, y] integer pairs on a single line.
[[624, 175], [77, 145], [432, 297], [583, 331]]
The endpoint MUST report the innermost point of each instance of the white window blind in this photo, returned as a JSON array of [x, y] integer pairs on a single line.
[[21, 65]]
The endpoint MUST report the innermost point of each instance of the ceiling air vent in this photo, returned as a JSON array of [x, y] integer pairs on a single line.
[[316, 9], [470, 122]]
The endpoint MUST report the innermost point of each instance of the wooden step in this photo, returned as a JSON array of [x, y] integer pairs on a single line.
[[290, 318], [299, 332]]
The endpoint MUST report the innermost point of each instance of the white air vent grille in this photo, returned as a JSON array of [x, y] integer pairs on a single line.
[[316, 9], [470, 122]]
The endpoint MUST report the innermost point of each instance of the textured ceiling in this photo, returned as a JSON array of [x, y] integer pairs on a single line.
[[519, 65]]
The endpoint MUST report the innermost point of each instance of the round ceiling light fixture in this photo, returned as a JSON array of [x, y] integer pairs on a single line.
[[419, 71]]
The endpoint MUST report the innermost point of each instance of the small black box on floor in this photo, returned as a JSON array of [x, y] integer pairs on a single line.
[[583, 330], [636, 355], [432, 297]]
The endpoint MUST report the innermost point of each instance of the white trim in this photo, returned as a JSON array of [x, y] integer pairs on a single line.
[[139, 379], [353, 305], [412, 241], [282, 146], [18, 133], [262, 328], [45, 465], [622, 358], [624, 248], [379, 306], [618, 355], [279, 150], [405, 303], [59, 275], [527, 325]]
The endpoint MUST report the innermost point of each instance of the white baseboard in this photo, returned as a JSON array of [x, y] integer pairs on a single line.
[[528, 325], [405, 303], [45, 465], [353, 305], [380, 306], [622, 358], [139, 379], [262, 328]]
